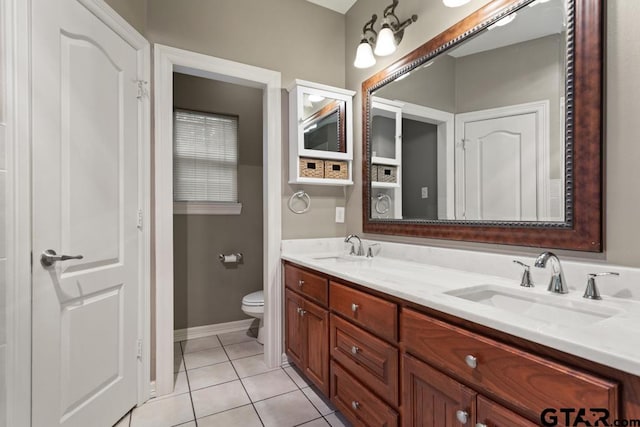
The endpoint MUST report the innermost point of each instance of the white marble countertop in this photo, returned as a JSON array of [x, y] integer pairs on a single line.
[[612, 341]]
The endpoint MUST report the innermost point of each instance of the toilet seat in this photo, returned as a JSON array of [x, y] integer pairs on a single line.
[[254, 299]]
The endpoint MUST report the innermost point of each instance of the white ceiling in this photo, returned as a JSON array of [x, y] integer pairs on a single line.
[[341, 6]]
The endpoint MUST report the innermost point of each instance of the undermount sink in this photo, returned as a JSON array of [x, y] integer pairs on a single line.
[[548, 308], [340, 258]]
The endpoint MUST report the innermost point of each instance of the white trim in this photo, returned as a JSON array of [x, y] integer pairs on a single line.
[[208, 330], [541, 110], [16, 27], [166, 61], [206, 208]]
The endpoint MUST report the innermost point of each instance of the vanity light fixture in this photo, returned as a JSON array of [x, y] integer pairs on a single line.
[[455, 3], [386, 41]]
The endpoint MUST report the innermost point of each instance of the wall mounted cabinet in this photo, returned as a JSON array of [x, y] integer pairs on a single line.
[[320, 134]]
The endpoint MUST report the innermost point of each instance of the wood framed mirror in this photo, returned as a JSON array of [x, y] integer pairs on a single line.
[[492, 131]]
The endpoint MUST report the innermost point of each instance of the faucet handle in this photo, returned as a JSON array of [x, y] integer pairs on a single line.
[[526, 276], [592, 290], [370, 250]]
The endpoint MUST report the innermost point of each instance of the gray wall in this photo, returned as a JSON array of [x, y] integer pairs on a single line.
[[134, 11], [420, 156], [207, 291], [622, 199]]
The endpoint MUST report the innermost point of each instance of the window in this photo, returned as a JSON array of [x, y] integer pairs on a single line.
[[205, 163]]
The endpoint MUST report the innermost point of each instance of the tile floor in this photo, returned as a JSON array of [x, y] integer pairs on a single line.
[[222, 381]]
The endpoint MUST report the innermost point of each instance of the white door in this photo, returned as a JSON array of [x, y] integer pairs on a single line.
[[86, 196], [500, 171]]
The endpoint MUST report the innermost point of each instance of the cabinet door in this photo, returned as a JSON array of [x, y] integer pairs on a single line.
[[316, 345], [294, 328], [431, 398], [490, 414]]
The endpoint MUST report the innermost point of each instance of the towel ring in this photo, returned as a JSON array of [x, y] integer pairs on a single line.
[[380, 198], [300, 195]]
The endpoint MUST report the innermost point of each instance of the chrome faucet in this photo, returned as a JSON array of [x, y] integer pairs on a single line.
[[360, 251], [557, 284]]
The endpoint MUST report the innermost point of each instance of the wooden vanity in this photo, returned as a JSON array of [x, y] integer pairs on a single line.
[[385, 361]]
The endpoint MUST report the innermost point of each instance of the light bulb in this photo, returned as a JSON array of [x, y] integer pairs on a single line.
[[386, 44], [455, 3], [364, 55]]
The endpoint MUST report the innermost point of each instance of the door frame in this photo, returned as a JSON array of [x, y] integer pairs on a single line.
[[16, 35], [167, 60], [541, 110]]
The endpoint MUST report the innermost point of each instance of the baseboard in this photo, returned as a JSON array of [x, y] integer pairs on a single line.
[[285, 359], [152, 390], [208, 330]]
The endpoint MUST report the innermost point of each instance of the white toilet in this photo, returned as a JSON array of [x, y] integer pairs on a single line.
[[253, 305]]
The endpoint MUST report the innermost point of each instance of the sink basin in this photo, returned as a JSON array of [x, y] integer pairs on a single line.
[[555, 309], [340, 258]]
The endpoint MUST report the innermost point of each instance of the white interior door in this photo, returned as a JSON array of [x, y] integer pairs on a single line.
[[500, 171], [86, 202]]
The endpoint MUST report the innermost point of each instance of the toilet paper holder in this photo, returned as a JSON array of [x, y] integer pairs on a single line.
[[236, 257]]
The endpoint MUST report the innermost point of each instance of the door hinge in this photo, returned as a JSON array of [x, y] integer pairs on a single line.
[[139, 349], [142, 88], [140, 219]]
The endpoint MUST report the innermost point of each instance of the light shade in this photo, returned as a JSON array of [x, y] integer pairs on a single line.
[[386, 43], [455, 3], [364, 55]]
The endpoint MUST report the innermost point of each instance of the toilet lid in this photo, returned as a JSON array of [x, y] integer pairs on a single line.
[[254, 299]]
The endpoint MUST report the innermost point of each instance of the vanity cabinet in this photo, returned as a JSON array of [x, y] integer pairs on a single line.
[[527, 382], [307, 325], [384, 361]]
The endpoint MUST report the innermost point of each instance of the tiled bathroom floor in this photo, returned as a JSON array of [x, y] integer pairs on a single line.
[[222, 381]]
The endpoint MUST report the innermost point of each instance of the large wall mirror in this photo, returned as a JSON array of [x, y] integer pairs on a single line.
[[491, 131]]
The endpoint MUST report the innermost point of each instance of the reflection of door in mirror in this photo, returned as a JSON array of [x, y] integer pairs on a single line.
[[502, 165]]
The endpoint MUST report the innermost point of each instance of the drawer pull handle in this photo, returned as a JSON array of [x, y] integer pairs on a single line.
[[462, 416], [355, 350], [354, 307], [471, 361], [355, 404], [300, 282]]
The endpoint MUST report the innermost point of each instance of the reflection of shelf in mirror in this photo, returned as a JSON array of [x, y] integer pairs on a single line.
[[385, 161], [376, 184], [321, 181]]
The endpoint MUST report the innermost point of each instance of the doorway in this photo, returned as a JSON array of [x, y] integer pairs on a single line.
[[169, 60]]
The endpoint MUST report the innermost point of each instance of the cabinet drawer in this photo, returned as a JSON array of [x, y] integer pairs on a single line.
[[357, 403], [490, 414], [528, 382], [309, 284], [373, 313], [371, 360]]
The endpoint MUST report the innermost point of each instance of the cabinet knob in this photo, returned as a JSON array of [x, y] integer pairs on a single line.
[[354, 307], [480, 425], [355, 350], [303, 312], [471, 361], [300, 282], [355, 404], [462, 416], [298, 310]]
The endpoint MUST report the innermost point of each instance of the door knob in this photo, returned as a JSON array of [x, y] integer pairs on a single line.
[[49, 257]]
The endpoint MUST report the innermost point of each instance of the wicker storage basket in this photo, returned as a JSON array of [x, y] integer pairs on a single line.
[[335, 169], [374, 173], [311, 168], [387, 173]]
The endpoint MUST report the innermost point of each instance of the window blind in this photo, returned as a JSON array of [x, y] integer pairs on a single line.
[[205, 157]]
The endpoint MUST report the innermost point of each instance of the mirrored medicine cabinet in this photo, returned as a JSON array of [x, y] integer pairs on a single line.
[[320, 134]]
